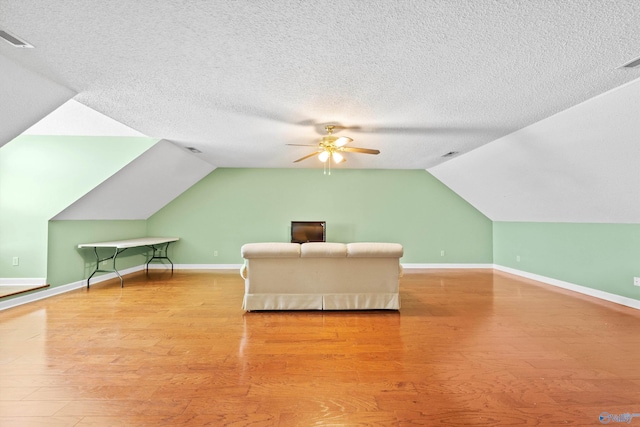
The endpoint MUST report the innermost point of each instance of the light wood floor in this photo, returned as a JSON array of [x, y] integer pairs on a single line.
[[469, 347]]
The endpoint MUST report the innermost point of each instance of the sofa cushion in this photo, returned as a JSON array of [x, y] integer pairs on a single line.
[[374, 250], [323, 250], [270, 250]]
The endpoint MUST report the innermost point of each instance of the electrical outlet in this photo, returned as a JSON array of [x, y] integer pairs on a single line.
[[215, 253], [636, 281], [518, 258], [442, 253], [16, 261]]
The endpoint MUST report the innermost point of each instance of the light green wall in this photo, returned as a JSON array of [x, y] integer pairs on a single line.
[[42, 175], [231, 207], [599, 256], [68, 264]]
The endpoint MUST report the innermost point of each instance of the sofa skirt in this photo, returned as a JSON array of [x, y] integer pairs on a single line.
[[360, 301]]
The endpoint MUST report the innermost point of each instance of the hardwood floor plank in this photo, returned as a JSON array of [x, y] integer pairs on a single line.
[[15, 393], [468, 347], [31, 408], [94, 392], [372, 419], [39, 421], [84, 407]]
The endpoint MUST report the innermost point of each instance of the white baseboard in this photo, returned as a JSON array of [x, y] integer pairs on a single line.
[[50, 292], [618, 299], [30, 281], [435, 266], [35, 296], [158, 266]]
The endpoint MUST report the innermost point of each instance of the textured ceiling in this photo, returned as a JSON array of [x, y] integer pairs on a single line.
[[73, 118], [240, 79], [25, 98]]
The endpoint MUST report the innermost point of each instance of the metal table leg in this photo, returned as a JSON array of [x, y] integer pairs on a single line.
[[160, 253], [114, 270]]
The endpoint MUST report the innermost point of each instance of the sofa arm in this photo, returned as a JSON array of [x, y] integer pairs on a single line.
[[243, 270]]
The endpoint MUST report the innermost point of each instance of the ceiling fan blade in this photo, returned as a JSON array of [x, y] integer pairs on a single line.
[[359, 150], [304, 145], [307, 156], [342, 141]]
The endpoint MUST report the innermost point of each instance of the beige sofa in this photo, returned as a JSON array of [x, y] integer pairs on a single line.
[[321, 276]]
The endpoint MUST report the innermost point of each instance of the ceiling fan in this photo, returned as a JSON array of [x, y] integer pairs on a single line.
[[331, 146]]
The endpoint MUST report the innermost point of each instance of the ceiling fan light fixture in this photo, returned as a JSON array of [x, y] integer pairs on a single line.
[[337, 157], [324, 156], [330, 147]]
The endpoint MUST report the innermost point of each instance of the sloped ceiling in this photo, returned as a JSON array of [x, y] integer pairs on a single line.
[[416, 80], [74, 118], [142, 187], [26, 97], [580, 165]]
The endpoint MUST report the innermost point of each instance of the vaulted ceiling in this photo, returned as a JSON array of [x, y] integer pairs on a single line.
[[239, 80]]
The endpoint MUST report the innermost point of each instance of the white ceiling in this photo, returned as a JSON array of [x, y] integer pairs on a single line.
[[74, 118], [580, 165], [240, 79], [142, 187], [25, 97]]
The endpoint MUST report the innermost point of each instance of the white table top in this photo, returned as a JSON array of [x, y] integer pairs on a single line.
[[130, 243]]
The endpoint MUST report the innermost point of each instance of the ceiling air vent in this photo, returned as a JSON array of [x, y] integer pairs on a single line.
[[450, 154], [635, 63], [13, 40], [194, 150]]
